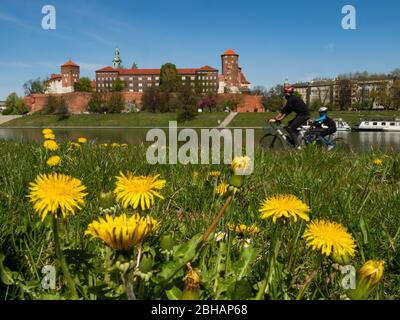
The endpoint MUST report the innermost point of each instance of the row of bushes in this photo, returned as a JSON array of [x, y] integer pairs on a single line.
[[15, 105]]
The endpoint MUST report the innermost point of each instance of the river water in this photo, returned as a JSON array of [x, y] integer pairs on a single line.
[[359, 141]]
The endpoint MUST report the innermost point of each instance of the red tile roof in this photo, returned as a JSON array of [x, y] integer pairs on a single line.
[[184, 71], [208, 68], [243, 79], [107, 69], [70, 63], [55, 76], [230, 52]]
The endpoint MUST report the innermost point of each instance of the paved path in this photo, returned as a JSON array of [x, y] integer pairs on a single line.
[[228, 119], [4, 119]]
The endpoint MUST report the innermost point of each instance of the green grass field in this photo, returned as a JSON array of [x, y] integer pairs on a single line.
[[351, 117], [146, 119], [274, 263], [142, 119]]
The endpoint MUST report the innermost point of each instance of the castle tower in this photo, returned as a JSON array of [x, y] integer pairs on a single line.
[[117, 61], [70, 73], [230, 68]]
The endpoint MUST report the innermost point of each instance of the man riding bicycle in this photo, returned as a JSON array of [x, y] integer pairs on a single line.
[[297, 105]]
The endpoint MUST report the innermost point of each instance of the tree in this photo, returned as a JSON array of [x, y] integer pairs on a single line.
[[345, 94], [154, 100], [258, 91], [55, 105], [34, 86], [134, 65], [118, 85], [15, 105], [97, 103], [395, 94], [115, 103], [83, 85], [274, 98], [207, 102], [169, 78]]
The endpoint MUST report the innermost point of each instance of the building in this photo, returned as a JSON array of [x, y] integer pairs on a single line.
[[232, 79], [204, 79], [345, 93], [64, 82]]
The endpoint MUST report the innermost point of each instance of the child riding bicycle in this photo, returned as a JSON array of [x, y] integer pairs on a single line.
[[318, 132]]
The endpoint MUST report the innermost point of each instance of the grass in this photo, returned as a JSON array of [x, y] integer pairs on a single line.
[[351, 117], [142, 119], [348, 189]]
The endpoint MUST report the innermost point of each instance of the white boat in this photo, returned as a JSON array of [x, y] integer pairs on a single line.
[[378, 125], [342, 125]]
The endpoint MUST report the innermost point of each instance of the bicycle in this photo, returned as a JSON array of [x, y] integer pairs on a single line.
[[277, 138]]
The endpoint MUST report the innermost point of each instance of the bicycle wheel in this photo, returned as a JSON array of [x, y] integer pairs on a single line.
[[272, 142], [341, 145]]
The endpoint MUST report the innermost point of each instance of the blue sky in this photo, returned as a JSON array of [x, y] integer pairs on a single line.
[[275, 39]]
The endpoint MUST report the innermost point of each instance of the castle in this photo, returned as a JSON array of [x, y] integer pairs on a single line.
[[64, 82], [205, 80]]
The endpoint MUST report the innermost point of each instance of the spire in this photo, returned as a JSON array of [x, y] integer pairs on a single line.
[[117, 62]]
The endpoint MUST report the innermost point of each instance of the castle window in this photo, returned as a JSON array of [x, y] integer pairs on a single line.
[[140, 78], [140, 90], [149, 78], [140, 84]]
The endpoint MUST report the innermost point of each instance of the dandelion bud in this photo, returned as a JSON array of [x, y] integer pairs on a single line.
[[368, 277], [192, 284], [237, 181], [167, 242], [372, 271], [146, 263]]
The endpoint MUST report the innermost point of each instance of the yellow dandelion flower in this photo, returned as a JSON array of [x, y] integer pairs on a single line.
[[82, 140], [378, 162], [75, 145], [55, 193], [50, 136], [124, 145], [286, 206], [372, 271], [53, 161], [104, 145], [195, 174], [222, 189], [214, 174], [50, 145], [115, 145], [122, 232], [330, 238], [138, 191], [243, 229], [240, 163], [47, 131]]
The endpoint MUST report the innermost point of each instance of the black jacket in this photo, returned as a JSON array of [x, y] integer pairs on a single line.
[[297, 105]]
